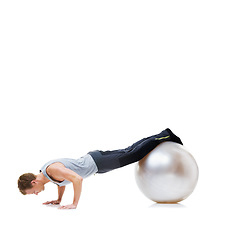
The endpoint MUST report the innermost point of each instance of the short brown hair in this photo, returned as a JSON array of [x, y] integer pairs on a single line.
[[24, 182]]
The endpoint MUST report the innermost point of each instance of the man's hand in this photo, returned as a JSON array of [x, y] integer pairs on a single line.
[[71, 206], [54, 202]]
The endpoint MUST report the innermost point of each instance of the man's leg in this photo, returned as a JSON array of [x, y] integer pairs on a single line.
[[110, 160], [141, 148]]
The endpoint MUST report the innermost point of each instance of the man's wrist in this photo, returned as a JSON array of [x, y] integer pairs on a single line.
[[75, 204]]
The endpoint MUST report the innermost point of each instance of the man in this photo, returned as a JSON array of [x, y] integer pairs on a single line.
[[65, 170]]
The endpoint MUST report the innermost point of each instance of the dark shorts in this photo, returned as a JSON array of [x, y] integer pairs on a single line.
[[110, 160]]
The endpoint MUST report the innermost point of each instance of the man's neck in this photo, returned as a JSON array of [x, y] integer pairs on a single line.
[[41, 178]]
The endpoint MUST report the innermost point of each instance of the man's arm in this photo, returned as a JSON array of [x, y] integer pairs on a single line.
[[59, 172], [60, 192]]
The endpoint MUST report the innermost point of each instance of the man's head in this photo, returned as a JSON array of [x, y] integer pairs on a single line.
[[29, 184]]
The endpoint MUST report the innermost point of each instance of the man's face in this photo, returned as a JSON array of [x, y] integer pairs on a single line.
[[36, 189]]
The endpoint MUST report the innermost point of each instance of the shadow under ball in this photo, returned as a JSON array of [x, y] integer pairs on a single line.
[[168, 174]]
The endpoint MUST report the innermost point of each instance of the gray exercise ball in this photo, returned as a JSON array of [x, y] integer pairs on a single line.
[[168, 174]]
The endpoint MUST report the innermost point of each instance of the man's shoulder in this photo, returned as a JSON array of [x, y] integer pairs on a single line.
[[55, 166]]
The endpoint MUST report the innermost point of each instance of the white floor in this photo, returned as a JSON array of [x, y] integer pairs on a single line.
[[118, 210], [79, 76]]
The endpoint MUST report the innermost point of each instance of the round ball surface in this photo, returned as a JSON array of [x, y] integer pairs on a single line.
[[168, 174]]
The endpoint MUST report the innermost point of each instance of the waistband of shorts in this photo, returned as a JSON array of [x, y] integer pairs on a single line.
[[96, 155]]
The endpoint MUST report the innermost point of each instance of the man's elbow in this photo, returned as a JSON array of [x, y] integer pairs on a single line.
[[78, 179]]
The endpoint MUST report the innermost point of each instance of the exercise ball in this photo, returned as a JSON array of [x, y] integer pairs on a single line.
[[168, 174]]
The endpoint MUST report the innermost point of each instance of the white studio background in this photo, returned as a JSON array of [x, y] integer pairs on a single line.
[[76, 76]]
